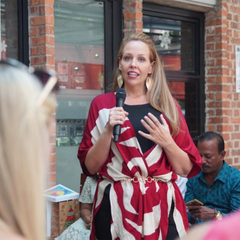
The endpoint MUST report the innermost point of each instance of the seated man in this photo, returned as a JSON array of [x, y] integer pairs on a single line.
[[218, 184]]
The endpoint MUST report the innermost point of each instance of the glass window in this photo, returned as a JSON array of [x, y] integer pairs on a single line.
[[8, 29], [178, 37], [79, 38], [185, 93], [79, 62], [173, 40]]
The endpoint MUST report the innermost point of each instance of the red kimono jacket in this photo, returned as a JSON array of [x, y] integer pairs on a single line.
[[142, 184]]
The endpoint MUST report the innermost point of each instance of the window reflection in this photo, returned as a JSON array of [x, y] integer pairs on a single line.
[[185, 93], [79, 40], [79, 59], [173, 40], [8, 29]]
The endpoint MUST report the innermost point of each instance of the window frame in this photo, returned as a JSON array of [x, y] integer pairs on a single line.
[[23, 33], [161, 11], [113, 34]]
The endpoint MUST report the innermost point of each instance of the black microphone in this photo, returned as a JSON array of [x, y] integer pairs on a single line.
[[120, 98]]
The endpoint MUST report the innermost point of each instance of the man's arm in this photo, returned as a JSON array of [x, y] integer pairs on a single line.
[[189, 195], [235, 192]]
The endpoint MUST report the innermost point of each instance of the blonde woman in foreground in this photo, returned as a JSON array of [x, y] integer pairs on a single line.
[[225, 229], [24, 152]]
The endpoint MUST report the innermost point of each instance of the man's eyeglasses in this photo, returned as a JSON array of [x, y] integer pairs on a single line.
[[47, 77]]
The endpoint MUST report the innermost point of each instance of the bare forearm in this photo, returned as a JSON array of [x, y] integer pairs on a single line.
[[85, 213], [178, 159], [99, 152]]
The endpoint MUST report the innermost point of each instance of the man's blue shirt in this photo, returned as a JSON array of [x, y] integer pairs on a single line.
[[223, 194]]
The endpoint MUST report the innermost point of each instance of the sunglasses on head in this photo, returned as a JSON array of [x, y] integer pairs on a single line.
[[47, 77]]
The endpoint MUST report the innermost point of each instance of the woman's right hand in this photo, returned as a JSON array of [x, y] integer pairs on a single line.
[[88, 220], [99, 152], [117, 115]]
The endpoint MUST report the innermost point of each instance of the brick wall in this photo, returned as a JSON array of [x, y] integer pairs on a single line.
[[42, 54], [41, 31], [132, 12], [222, 34]]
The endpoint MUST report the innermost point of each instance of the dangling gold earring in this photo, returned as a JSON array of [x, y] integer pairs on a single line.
[[149, 83], [119, 80]]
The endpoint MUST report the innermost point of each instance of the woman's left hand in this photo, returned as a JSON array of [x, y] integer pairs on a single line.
[[87, 221], [158, 133]]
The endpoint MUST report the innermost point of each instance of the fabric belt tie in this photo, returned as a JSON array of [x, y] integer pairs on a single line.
[[141, 179]]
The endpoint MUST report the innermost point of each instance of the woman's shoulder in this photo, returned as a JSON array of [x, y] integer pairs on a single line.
[[10, 236], [105, 99], [103, 96]]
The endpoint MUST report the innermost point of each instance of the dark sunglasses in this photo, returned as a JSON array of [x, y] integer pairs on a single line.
[[47, 77]]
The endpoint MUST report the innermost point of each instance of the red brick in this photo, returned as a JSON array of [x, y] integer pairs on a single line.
[[210, 62], [34, 2], [211, 96], [210, 112], [226, 136], [37, 20], [221, 21], [39, 40], [210, 46], [221, 45], [221, 13], [132, 16], [225, 103], [214, 71], [50, 40], [35, 51], [222, 29], [236, 18], [236, 163], [236, 128], [53, 157], [137, 6], [34, 11], [214, 104], [236, 120], [235, 152], [228, 160], [52, 167], [49, 50], [233, 9], [46, 10], [228, 144], [50, 20], [211, 22], [47, 2], [214, 120], [50, 60], [51, 177], [221, 62], [210, 39], [211, 128], [210, 14], [38, 60], [34, 31], [224, 128], [225, 6]]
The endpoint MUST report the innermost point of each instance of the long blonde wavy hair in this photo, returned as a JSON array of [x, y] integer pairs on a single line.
[[159, 96], [24, 152]]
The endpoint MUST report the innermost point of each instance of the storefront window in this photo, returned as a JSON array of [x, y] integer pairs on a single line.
[[8, 29], [178, 37], [79, 62], [173, 40]]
